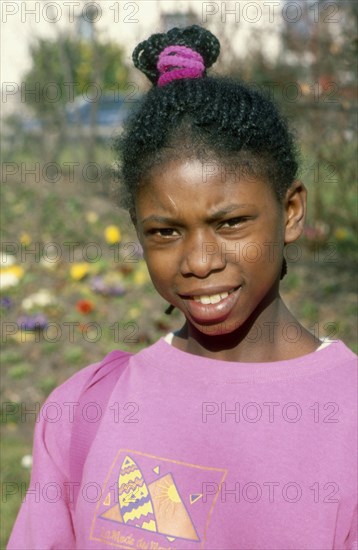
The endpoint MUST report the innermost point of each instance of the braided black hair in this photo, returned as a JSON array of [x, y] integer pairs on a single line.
[[145, 55], [213, 118]]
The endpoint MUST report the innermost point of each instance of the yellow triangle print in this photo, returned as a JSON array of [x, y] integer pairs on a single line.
[[171, 515], [107, 500], [156, 470], [113, 514]]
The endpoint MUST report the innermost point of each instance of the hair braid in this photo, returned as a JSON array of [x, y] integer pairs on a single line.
[[209, 116], [145, 55]]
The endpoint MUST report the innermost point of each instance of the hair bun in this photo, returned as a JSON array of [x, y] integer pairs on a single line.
[[146, 54]]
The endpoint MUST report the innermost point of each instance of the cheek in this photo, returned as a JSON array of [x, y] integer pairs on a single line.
[[261, 254], [160, 269]]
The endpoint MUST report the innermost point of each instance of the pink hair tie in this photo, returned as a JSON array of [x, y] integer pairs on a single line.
[[185, 63]]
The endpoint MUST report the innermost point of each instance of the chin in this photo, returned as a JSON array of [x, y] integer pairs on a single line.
[[217, 329]]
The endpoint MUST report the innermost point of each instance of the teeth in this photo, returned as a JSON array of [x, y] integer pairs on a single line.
[[214, 299]]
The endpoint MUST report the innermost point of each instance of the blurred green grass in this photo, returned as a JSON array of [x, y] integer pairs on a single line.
[[14, 481]]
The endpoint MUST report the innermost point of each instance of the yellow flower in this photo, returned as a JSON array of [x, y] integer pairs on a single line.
[[134, 312], [17, 270], [79, 270], [23, 336], [112, 234], [10, 276], [341, 234], [141, 275], [25, 238], [91, 217], [305, 88]]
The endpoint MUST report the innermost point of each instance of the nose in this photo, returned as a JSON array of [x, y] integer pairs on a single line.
[[201, 255]]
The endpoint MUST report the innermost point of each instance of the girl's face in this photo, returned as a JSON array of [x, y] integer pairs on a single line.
[[213, 241]]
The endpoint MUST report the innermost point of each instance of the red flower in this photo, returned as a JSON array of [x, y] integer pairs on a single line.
[[84, 306]]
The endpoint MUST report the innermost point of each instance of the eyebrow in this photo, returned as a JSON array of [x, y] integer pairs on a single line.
[[219, 214]]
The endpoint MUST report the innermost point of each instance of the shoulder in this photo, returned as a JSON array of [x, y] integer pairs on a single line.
[[72, 388], [340, 354], [57, 416], [340, 378], [68, 394], [338, 363]]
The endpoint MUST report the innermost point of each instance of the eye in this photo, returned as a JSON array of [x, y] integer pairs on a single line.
[[234, 221], [164, 232]]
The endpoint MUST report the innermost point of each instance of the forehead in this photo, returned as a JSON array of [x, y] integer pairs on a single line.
[[191, 186]]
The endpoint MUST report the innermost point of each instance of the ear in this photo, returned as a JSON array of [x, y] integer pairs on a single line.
[[295, 211]]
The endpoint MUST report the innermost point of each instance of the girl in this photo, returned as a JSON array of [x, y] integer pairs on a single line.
[[238, 431]]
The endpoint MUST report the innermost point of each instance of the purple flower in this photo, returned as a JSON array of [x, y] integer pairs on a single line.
[[115, 290], [99, 285], [6, 302], [33, 322]]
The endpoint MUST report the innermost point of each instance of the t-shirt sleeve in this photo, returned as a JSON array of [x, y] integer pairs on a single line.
[[352, 539], [45, 519]]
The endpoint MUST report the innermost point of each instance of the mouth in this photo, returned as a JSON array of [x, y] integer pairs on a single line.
[[212, 308], [212, 298]]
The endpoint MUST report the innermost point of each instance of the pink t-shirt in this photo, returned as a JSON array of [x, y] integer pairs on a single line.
[[199, 453]]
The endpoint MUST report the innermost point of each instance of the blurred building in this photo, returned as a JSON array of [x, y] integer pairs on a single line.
[[178, 19]]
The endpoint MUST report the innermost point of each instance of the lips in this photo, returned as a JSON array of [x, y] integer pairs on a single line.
[[212, 312]]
